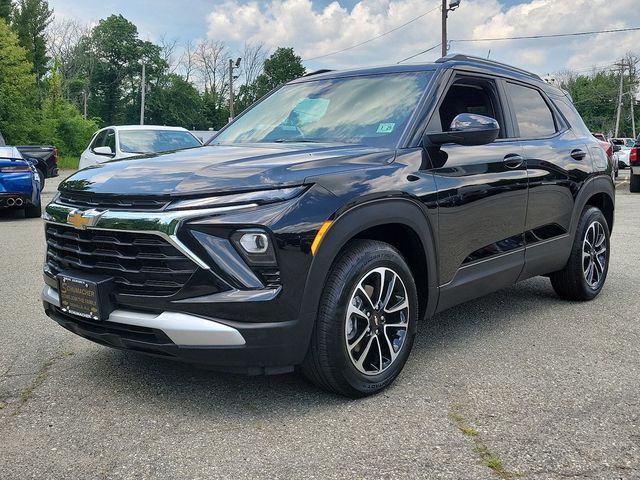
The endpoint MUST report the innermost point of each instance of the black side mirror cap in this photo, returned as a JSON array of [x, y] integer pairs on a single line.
[[466, 129]]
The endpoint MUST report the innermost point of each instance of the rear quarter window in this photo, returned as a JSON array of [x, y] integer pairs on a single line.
[[571, 115]]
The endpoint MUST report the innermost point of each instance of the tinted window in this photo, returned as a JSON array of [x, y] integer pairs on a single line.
[[110, 140], [371, 110], [154, 141], [532, 112], [570, 114], [99, 140]]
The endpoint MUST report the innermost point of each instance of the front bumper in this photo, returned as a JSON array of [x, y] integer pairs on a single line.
[[261, 348]]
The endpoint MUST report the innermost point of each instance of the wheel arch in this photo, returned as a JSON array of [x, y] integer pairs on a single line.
[[598, 192], [378, 220]]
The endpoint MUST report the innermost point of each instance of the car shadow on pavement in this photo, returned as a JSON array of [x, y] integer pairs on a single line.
[[196, 388]]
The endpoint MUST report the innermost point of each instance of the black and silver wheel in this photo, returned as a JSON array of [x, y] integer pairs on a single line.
[[377, 321], [584, 275], [366, 321]]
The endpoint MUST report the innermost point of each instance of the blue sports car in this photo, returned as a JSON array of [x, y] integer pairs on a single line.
[[19, 183]]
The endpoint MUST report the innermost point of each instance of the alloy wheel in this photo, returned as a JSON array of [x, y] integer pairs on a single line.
[[594, 254], [377, 321]]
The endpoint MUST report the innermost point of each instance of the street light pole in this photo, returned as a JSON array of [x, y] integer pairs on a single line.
[[621, 65]]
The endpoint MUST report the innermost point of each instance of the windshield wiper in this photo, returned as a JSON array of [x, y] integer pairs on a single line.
[[300, 140]]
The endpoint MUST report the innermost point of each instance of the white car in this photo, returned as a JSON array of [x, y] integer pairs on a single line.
[[117, 142], [625, 144]]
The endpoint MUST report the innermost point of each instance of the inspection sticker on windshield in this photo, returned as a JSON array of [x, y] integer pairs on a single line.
[[386, 127]]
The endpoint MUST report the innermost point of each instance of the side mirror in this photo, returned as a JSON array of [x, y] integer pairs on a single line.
[[467, 129], [617, 148], [106, 151]]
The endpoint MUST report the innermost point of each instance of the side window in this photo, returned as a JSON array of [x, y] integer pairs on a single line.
[[99, 140], [533, 115], [470, 95], [110, 140], [572, 117]]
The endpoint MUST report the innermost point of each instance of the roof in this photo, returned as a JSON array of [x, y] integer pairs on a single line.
[[460, 61], [145, 127]]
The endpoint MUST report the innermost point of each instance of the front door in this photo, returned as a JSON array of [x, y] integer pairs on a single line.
[[482, 198]]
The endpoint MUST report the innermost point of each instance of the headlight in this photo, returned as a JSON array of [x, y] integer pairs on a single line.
[[258, 197]]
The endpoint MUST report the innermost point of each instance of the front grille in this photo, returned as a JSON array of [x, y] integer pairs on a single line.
[[84, 200], [140, 264]]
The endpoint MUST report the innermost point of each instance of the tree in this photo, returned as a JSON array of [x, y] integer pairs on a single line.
[[281, 67], [30, 21], [176, 102], [6, 8], [17, 89], [118, 54]]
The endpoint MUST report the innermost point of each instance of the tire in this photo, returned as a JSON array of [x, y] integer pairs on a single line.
[[575, 281], [33, 211], [634, 183], [343, 356]]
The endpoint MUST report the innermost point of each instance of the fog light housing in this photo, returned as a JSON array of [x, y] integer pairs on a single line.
[[256, 246], [254, 243]]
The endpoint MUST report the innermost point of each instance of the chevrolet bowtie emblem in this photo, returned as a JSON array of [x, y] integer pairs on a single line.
[[82, 220]]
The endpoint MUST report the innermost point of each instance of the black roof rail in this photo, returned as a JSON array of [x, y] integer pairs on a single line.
[[318, 72], [452, 57]]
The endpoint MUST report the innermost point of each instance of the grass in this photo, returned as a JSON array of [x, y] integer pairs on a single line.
[[68, 163], [489, 459]]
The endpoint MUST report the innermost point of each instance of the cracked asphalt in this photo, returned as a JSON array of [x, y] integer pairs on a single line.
[[521, 381]]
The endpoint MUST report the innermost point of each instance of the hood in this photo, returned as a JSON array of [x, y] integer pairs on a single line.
[[223, 168]]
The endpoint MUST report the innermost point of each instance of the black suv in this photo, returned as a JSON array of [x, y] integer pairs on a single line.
[[325, 222]]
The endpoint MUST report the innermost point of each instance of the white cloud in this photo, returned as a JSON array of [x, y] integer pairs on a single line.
[[314, 32]]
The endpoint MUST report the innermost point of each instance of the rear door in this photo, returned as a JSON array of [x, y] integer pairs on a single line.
[[558, 163], [482, 197]]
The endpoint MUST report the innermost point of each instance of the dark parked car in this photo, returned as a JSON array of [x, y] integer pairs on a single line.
[[634, 164], [325, 222], [19, 183], [43, 157]]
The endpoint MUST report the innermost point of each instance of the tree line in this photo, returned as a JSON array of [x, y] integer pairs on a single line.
[[62, 80]]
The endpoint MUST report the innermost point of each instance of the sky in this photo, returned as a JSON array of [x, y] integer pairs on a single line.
[[319, 27]]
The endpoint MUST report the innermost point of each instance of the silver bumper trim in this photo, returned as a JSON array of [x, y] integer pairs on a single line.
[[181, 328]]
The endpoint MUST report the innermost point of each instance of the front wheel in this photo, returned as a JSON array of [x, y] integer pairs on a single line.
[[586, 271], [366, 321]]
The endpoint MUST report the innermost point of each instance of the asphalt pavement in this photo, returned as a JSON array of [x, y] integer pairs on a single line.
[[518, 384]]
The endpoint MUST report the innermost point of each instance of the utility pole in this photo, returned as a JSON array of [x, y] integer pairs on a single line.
[[84, 101], [633, 117], [621, 65], [143, 91], [445, 13]]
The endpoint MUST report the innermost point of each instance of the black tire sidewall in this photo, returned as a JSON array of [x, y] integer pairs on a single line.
[[346, 372], [590, 216]]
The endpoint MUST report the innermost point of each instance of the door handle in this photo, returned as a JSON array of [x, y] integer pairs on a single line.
[[513, 160], [578, 154]]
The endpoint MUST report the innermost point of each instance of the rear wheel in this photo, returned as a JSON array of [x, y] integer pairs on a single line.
[[586, 271], [634, 183], [366, 321]]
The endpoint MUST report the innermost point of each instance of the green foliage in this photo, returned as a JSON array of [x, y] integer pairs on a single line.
[[6, 8], [281, 67], [61, 124], [30, 20], [174, 101], [596, 99], [17, 89]]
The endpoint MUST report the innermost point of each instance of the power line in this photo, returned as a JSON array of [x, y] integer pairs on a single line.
[[374, 38], [553, 35], [419, 53]]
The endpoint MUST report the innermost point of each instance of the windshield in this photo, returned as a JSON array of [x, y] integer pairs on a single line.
[[629, 142], [370, 110], [154, 141]]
